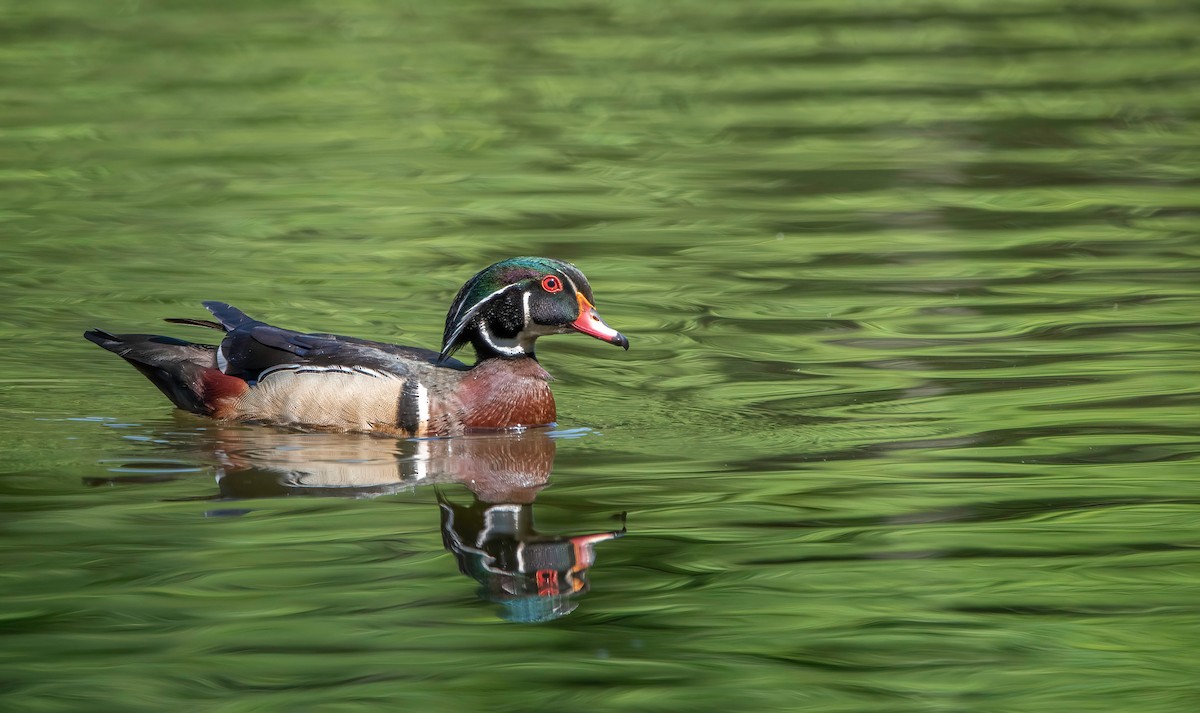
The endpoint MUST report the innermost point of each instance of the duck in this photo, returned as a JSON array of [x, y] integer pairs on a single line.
[[262, 374]]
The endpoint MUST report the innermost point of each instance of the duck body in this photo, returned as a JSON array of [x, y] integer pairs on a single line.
[[260, 373]]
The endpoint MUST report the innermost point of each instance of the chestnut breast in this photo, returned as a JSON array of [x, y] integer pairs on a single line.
[[496, 393]]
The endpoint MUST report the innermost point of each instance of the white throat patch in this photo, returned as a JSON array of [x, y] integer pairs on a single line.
[[508, 347]]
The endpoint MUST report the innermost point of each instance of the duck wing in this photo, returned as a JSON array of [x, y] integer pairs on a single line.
[[251, 349]]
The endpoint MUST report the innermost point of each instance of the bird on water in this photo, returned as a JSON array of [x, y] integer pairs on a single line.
[[260, 373]]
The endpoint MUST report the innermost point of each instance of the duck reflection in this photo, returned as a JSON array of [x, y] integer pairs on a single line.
[[533, 576]]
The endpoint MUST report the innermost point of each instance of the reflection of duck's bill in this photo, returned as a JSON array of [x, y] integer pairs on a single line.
[[584, 546]]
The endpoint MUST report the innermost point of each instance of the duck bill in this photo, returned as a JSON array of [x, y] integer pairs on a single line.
[[589, 323]]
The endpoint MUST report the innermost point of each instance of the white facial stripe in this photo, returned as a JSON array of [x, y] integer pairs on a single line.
[[573, 285], [222, 362], [466, 318]]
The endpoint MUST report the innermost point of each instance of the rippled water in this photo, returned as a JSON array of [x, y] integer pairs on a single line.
[[909, 422]]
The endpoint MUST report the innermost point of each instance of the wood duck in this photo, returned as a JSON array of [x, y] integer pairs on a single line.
[[265, 374]]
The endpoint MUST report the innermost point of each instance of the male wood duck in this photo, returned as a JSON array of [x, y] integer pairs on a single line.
[[265, 374]]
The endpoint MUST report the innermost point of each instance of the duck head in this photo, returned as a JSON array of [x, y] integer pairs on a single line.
[[503, 309]]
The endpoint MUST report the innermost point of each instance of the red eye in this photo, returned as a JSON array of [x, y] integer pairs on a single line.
[[550, 283]]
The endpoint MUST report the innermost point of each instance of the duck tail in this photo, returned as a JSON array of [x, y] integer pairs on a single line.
[[186, 373]]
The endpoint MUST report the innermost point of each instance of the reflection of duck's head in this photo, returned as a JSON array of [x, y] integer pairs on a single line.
[[532, 576], [258, 462]]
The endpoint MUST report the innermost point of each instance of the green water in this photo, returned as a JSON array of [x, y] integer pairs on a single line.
[[909, 423]]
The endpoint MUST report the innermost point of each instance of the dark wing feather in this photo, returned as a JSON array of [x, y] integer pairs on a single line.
[[251, 347], [229, 316], [206, 323]]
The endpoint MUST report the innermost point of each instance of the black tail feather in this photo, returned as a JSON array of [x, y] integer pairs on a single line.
[[108, 340], [173, 365]]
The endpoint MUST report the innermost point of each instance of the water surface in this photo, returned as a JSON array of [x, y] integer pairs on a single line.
[[909, 423]]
